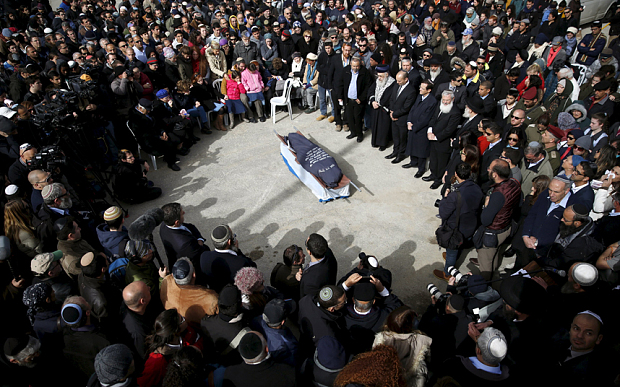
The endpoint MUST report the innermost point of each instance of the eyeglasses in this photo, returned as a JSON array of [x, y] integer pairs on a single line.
[[49, 176]]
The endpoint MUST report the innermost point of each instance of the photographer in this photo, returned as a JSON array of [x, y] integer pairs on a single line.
[[130, 182], [470, 197], [127, 91]]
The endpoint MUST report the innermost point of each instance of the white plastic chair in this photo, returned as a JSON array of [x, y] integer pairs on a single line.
[[153, 158], [284, 100], [217, 85], [317, 100]]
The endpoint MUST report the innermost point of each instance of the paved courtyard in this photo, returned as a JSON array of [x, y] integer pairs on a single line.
[[239, 178]]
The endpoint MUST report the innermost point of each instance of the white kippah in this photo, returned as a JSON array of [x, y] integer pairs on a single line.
[[498, 347], [10, 190], [596, 316], [585, 274]]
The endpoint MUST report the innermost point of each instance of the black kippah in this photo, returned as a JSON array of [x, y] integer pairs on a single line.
[[251, 346], [580, 209], [220, 232], [364, 291], [457, 302]]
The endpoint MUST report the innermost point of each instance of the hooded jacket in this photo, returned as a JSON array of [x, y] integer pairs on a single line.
[[111, 239]]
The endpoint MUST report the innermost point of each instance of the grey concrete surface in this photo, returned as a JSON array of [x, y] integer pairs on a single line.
[[239, 178]]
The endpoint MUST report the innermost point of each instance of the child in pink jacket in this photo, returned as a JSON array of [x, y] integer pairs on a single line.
[[253, 82], [234, 89]]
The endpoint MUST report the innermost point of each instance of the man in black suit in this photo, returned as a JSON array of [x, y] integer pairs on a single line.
[[322, 269], [455, 85], [490, 105], [442, 128], [219, 267], [493, 134], [356, 80], [412, 73], [401, 101], [180, 239], [339, 63], [420, 115], [473, 114]]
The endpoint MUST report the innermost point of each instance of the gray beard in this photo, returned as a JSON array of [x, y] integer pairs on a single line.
[[427, 27], [466, 114], [381, 83], [568, 288], [445, 109], [434, 74], [65, 204]]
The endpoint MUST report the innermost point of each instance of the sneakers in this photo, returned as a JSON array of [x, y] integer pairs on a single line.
[[338, 128], [330, 119], [441, 275], [345, 127], [321, 117]]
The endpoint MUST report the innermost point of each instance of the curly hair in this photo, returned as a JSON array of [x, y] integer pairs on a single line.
[[379, 367], [185, 368]]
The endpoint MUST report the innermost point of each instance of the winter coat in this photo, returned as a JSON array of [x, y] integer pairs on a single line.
[[413, 351], [217, 64], [234, 89]]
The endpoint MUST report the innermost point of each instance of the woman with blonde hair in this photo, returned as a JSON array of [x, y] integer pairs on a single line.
[[18, 228]]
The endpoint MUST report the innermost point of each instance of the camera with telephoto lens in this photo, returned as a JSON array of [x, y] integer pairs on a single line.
[[460, 279], [440, 298]]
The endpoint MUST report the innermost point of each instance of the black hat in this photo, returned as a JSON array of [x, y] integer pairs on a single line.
[[433, 62], [145, 103], [118, 70], [277, 310], [457, 302], [475, 104], [377, 57], [251, 346], [602, 85], [597, 23], [364, 291], [580, 209], [229, 296], [523, 294]]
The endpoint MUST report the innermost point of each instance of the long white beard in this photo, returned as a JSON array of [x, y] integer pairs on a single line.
[[466, 114], [445, 109], [466, 42], [381, 83], [434, 74], [428, 27]]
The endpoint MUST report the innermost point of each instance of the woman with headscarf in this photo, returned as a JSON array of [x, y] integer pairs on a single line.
[[559, 100], [380, 121], [234, 25], [42, 312]]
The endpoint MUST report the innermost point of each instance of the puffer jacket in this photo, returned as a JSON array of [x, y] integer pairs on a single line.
[[234, 89]]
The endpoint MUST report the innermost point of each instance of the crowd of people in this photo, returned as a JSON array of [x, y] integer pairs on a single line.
[[512, 109]]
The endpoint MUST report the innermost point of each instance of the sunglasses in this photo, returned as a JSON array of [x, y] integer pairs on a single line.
[[513, 139], [426, 56], [517, 118], [580, 149], [570, 138]]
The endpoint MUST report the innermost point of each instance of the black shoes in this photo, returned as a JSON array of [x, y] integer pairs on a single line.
[[419, 174], [174, 167], [183, 151], [262, 119], [436, 185], [360, 138], [253, 120], [391, 156], [408, 165], [205, 131], [429, 178], [350, 136], [381, 148], [397, 160], [509, 253]]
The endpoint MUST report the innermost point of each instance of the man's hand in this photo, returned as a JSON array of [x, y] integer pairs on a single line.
[[201, 243], [377, 283], [298, 275], [451, 281], [352, 280], [146, 166], [163, 271], [358, 101], [197, 104], [409, 126], [91, 107], [375, 105], [529, 242], [486, 200], [18, 284], [164, 136], [3, 134], [474, 330]]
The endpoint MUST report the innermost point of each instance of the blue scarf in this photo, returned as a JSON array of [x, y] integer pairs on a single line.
[[310, 72]]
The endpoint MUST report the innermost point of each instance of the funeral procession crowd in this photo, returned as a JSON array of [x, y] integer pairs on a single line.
[[508, 109]]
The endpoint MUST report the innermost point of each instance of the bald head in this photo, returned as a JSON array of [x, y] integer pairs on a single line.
[[39, 179], [401, 77], [136, 295]]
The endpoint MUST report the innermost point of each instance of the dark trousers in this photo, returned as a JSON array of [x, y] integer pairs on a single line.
[[355, 115], [438, 162], [399, 136], [419, 162], [339, 117]]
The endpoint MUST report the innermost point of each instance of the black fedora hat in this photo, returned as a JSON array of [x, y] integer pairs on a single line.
[[475, 104]]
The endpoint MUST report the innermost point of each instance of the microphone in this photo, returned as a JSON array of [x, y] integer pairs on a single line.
[[561, 273]]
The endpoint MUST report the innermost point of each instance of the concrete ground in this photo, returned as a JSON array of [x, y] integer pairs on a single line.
[[239, 178]]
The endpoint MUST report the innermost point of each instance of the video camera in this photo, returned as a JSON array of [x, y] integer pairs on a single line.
[[48, 159]]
